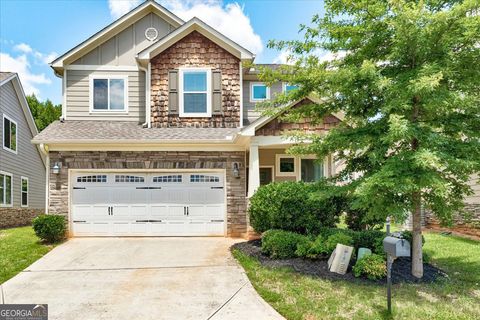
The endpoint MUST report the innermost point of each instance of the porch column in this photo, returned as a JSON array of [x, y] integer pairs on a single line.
[[253, 171]]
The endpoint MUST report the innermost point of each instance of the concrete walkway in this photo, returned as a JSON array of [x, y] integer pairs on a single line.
[[139, 278]]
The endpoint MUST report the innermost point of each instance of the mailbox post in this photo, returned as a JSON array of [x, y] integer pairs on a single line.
[[394, 247]]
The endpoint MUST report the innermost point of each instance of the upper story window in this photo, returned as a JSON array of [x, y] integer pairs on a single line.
[[195, 92], [259, 92], [5, 189], [289, 87], [9, 134], [108, 93]]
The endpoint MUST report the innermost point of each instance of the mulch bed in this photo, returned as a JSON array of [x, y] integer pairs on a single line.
[[401, 269]]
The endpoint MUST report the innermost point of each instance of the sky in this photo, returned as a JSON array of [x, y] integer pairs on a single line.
[[35, 32]]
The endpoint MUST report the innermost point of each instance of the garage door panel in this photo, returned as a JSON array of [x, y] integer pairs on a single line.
[[130, 195]]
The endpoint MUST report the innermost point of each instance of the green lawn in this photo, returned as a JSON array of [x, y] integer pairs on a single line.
[[302, 297], [19, 248]]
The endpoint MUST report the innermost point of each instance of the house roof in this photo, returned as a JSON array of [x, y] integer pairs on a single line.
[[194, 24], [112, 29], [121, 132], [6, 77]]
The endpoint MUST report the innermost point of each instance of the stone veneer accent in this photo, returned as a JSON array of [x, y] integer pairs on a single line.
[[195, 50], [278, 127], [236, 200], [471, 219], [17, 217]]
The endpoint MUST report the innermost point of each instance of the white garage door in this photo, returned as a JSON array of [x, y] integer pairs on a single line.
[[153, 204]]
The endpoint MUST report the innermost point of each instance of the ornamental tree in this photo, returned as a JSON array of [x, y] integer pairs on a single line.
[[406, 77]]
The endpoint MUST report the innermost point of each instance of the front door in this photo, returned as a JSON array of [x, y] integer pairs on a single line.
[[266, 176]]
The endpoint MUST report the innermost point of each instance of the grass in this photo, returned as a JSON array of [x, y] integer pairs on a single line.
[[19, 248], [298, 296]]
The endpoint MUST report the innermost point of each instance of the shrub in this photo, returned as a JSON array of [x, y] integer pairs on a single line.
[[358, 219], [281, 244], [372, 239], [294, 206], [50, 228], [372, 266], [312, 249], [332, 241], [408, 235]]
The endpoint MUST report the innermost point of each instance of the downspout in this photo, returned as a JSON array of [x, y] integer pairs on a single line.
[[44, 150], [147, 95]]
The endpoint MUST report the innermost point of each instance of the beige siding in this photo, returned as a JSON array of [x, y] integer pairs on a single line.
[[122, 48], [78, 96], [27, 162], [249, 112]]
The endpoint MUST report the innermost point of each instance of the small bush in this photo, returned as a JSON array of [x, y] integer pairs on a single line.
[[371, 239], [372, 266], [408, 235], [312, 249], [332, 241], [358, 219], [281, 244], [294, 206], [50, 228]]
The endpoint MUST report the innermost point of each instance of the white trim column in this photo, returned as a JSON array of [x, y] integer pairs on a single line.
[[253, 170]]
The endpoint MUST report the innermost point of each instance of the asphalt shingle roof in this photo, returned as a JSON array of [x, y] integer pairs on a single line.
[[122, 132]]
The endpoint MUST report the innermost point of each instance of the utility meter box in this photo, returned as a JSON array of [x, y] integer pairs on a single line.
[[396, 247], [340, 259]]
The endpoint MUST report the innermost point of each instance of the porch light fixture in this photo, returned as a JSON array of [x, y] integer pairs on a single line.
[[56, 168], [236, 171]]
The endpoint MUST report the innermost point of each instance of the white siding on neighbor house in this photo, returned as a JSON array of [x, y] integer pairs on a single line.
[[121, 49], [78, 96], [249, 112], [27, 161]]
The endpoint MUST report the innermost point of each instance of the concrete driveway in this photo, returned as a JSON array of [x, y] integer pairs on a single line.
[[139, 278]]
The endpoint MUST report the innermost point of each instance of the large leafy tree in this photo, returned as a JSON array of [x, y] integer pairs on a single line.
[[406, 75], [44, 112]]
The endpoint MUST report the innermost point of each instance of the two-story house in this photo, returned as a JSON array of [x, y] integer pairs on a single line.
[[159, 134], [22, 167]]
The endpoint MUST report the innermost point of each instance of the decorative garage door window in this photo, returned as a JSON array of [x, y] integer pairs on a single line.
[[168, 178], [203, 178], [124, 178], [93, 179]]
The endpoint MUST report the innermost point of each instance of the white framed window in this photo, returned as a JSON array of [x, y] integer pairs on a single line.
[[259, 92], [24, 187], [6, 189], [195, 94], [109, 93], [289, 87], [10, 133], [311, 169], [285, 165]]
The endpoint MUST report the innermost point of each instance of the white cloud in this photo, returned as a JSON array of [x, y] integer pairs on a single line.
[[284, 57], [23, 47], [119, 7], [43, 58], [21, 65], [228, 19]]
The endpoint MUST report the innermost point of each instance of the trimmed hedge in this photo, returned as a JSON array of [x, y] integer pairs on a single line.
[[294, 206], [281, 244], [50, 228], [372, 266]]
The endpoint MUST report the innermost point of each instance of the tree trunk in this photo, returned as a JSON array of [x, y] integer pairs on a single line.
[[417, 254]]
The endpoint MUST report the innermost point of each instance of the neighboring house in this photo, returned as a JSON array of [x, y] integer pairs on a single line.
[[159, 133], [22, 167]]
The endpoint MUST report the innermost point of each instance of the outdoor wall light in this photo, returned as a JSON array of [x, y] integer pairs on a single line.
[[236, 171], [56, 168]]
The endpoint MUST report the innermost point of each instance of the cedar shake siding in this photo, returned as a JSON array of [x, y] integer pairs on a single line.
[[235, 202], [195, 50]]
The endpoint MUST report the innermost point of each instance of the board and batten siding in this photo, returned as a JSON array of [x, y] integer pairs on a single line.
[[249, 112], [78, 96], [27, 161], [121, 49]]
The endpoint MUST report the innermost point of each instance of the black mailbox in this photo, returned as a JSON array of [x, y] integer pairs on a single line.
[[396, 247]]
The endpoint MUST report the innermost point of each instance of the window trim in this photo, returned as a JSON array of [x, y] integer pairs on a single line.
[[21, 192], [181, 92], [108, 77], [253, 84], [324, 163], [11, 190], [3, 134], [278, 158]]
